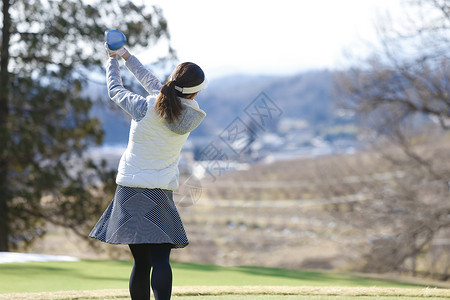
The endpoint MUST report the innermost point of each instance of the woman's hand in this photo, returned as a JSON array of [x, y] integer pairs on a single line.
[[122, 52], [126, 55]]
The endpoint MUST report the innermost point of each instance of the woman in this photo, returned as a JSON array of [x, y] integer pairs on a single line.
[[142, 213]]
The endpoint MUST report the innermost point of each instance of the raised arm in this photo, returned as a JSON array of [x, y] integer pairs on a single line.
[[144, 76], [132, 103]]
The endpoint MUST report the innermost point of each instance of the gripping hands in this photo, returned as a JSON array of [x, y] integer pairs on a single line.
[[116, 53]]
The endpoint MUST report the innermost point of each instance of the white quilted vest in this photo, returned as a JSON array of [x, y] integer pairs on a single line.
[[151, 158]]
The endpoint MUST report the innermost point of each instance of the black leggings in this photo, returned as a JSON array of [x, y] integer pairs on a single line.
[[146, 257]]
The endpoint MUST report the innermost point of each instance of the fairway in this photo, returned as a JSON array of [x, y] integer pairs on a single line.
[[103, 274], [94, 279]]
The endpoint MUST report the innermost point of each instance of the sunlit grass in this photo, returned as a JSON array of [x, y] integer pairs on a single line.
[[104, 274]]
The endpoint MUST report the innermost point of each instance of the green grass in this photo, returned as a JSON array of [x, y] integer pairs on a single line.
[[94, 275], [193, 274]]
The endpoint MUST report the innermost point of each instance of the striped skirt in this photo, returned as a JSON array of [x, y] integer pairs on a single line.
[[141, 216]]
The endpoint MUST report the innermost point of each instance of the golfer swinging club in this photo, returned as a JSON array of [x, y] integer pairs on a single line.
[[142, 213]]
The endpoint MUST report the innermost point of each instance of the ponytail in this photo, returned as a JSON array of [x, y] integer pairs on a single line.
[[188, 79], [168, 105]]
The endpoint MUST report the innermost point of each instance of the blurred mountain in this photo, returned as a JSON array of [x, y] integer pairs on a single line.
[[306, 96]]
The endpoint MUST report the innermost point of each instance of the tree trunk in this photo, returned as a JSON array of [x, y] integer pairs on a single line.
[[4, 130]]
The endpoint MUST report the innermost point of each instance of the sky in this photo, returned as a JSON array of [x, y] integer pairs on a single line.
[[277, 37]]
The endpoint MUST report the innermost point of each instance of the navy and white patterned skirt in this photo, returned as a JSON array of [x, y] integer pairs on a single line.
[[141, 216]]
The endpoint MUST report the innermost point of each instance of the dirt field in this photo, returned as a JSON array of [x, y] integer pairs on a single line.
[[251, 292]]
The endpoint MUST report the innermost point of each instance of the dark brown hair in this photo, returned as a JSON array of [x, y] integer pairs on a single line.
[[168, 105]]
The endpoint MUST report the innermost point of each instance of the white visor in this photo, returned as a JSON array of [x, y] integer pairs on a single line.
[[193, 89]]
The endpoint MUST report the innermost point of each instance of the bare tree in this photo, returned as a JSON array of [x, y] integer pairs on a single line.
[[402, 97]]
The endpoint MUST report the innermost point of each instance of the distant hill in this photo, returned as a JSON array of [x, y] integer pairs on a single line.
[[305, 96]]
